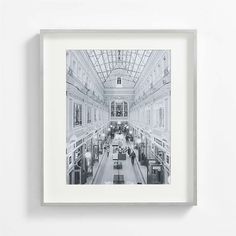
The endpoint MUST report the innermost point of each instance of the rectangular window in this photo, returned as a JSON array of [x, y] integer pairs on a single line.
[[95, 114], [89, 115], [77, 115]]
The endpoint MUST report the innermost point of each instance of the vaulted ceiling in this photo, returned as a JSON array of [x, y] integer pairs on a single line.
[[126, 64]]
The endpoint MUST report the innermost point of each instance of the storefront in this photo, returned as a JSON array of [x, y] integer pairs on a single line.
[[155, 173], [76, 171], [160, 151]]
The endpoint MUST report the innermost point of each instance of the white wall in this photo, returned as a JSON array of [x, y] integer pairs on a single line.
[[20, 174]]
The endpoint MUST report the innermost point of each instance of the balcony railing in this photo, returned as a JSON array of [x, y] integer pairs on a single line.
[[83, 87], [153, 88]]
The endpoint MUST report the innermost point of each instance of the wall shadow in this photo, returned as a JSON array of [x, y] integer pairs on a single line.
[[34, 209]]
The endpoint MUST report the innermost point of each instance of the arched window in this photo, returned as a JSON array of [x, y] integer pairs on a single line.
[[119, 109]]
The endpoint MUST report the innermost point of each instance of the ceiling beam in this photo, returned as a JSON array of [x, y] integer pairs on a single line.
[[130, 61], [108, 60], [105, 67], [126, 59], [135, 59], [99, 64], [139, 64]]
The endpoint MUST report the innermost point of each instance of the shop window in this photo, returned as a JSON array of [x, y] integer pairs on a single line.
[[77, 114], [89, 120]]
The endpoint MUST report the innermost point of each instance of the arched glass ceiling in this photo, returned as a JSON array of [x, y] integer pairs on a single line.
[[107, 61]]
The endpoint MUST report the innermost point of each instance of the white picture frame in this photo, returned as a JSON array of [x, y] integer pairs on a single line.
[[183, 188]]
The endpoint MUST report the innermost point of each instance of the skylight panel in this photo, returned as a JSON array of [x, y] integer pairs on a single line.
[[132, 61]]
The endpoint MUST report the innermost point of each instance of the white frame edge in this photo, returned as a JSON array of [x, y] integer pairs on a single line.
[[194, 102]]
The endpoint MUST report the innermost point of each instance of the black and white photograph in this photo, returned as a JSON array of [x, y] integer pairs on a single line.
[[118, 116], [111, 118]]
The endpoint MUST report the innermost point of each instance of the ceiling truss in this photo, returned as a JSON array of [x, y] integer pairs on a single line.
[[106, 61]]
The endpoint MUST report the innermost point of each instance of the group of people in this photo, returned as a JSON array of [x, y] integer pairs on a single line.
[[130, 151]]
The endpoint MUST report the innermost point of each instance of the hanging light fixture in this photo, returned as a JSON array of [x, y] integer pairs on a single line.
[[103, 136], [88, 155], [138, 141]]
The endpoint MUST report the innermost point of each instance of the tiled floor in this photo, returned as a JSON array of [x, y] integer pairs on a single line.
[[132, 174]]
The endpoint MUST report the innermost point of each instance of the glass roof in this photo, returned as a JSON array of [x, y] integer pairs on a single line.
[[131, 62]]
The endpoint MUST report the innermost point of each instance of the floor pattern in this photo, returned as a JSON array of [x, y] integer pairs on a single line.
[[106, 171]]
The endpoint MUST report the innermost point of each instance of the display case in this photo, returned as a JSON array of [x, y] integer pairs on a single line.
[[155, 173]]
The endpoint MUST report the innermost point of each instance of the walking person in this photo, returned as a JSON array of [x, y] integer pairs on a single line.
[[108, 150], [133, 155], [129, 151]]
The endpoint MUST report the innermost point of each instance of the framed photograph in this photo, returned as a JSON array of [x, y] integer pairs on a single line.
[[119, 116]]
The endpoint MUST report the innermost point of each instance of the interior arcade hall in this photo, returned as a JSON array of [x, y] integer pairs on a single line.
[[118, 105]]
